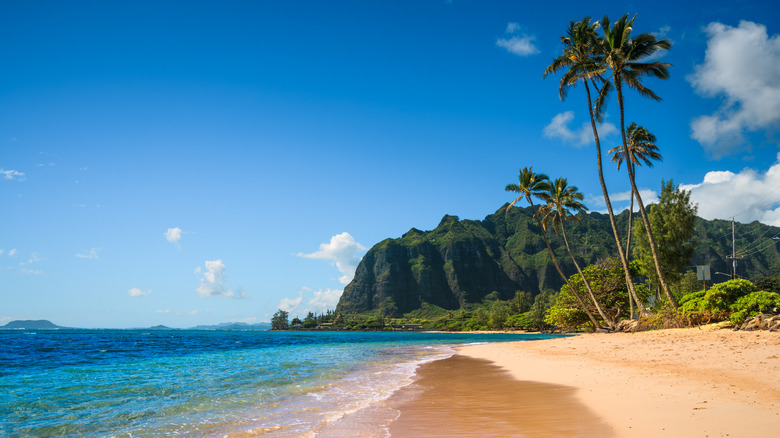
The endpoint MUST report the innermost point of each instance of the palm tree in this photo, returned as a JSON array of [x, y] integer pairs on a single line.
[[641, 148], [580, 55], [563, 203], [536, 185], [620, 55]]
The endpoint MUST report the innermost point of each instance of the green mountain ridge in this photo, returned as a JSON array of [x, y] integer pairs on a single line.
[[462, 261]]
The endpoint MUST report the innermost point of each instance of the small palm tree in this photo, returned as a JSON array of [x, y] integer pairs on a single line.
[[621, 56], [537, 185], [581, 46], [563, 203], [641, 148]]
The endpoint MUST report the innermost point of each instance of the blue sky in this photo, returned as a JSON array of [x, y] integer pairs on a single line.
[[194, 163]]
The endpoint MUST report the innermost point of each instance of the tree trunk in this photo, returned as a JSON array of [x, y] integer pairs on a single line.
[[630, 221], [555, 262], [642, 212], [615, 232], [628, 246], [585, 280]]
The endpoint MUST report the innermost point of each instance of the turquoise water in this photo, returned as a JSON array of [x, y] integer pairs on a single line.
[[135, 383]]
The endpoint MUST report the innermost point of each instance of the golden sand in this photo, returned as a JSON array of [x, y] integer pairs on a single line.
[[467, 397], [667, 383]]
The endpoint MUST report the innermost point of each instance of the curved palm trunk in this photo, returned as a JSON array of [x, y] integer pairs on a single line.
[[642, 212], [557, 267], [630, 220], [628, 246], [609, 322], [615, 232]]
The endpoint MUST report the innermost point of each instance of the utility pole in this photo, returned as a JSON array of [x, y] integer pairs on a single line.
[[733, 251]]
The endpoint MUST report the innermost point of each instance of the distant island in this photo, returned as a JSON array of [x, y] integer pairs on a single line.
[[242, 326], [32, 324]]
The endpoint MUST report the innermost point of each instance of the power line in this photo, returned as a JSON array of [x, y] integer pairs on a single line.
[[756, 242], [768, 243]]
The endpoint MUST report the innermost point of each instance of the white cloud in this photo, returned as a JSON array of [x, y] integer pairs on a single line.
[[517, 42], [214, 281], [24, 266], [291, 304], [740, 66], [662, 32], [163, 311], [558, 128], [135, 292], [620, 201], [91, 254], [34, 258], [748, 195], [9, 175], [316, 301], [342, 251], [173, 235], [324, 300], [648, 197]]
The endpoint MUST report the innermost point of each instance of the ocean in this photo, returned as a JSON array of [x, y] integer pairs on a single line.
[[189, 383]]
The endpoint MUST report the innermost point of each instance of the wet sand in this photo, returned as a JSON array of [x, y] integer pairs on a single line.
[[668, 383], [469, 397]]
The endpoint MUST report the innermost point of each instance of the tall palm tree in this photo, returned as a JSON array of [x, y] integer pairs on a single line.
[[563, 203], [580, 55], [620, 56], [641, 148], [536, 185]]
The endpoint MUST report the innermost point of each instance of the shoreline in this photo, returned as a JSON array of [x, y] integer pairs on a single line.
[[462, 396], [676, 382]]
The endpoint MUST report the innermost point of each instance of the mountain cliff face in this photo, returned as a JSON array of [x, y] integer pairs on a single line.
[[462, 261], [458, 262]]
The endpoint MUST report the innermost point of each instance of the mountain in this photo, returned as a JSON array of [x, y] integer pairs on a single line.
[[235, 326], [462, 261], [32, 324]]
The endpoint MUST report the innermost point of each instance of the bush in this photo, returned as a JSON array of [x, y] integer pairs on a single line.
[[753, 304], [567, 318], [691, 296], [715, 304], [520, 321]]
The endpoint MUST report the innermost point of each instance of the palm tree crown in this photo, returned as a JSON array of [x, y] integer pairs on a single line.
[[578, 55], [622, 56], [529, 184], [563, 203], [641, 147]]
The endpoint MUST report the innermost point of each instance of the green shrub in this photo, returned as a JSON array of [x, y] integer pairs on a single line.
[[715, 304], [690, 296], [753, 304], [567, 318], [520, 321]]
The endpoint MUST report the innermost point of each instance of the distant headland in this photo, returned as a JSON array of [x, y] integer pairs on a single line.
[[32, 324]]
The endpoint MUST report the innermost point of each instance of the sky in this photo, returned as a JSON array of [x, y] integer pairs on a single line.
[[201, 162]]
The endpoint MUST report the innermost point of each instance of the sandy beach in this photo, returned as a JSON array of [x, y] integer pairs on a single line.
[[699, 382]]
